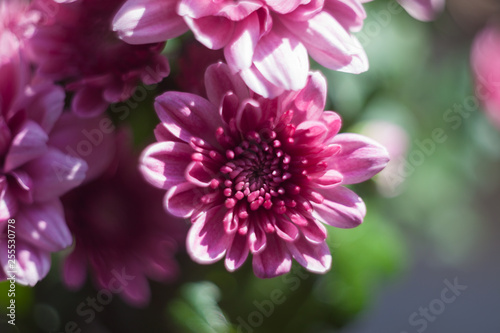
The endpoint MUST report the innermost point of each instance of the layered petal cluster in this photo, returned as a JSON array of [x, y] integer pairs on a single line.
[[266, 42], [33, 173], [120, 229], [485, 60], [74, 44], [423, 10], [258, 176]]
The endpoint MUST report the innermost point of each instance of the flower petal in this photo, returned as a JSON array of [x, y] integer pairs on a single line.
[[44, 226], [163, 164], [198, 174], [54, 174], [219, 81], [282, 59], [273, 261], [239, 50], [315, 258], [29, 143], [212, 31], [423, 10], [207, 242], [75, 270], [188, 116], [181, 200], [359, 159], [148, 21], [329, 43], [233, 10], [32, 264], [237, 253], [8, 203], [259, 84], [341, 208]]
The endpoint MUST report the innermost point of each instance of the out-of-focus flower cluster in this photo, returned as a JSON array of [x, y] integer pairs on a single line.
[[247, 161]]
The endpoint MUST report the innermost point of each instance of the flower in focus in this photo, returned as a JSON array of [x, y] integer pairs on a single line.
[[266, 42], [257, 175], [485, 60], [33, 173], [423, 10], [120, 228], [74, 44]]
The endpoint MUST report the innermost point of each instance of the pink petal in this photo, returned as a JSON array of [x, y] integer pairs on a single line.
[[314, 231], [207, 242], [423, 10], [75, 270], [329, 43], [359, 159], [199, 174], [181, 200], [333, 121], [91, 139], [219, 80], [32, 264], [234, 11], [315, 258], [239, 50], [248, 116], [54, 174], [259, 84], [282, 59], [188, 116], [163, 164], [341, 207], [212, 31], [8, 203], [237, 253], [256, 237], [309, 102], [148, 21], [273, 261], [29, 143], [137, 290], [330, 178], [286, 230], [349, 13], [284, 7], [306, 11], [44, 226], [88, 102], [45, 104], [162, 134]]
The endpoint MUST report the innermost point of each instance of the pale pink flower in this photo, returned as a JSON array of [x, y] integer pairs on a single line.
[[423, 10], [33, 173], [120, 227], [266, 42], [397, 142], [485, 60], [74, 44], [258, 175]]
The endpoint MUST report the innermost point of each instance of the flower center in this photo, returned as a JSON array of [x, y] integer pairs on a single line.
[[256, 171]]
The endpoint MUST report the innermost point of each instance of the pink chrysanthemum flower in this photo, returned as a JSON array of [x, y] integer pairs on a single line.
[[266, 42], [423, 10], [485, 60], [74, 44], [33, 173], [257, 175], [121, 229]]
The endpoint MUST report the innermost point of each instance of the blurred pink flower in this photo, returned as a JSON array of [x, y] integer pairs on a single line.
[[397, 142], [250, 172], [74, 44], [485, 60], [423, 10], [120, 227], [33, 173], [266, 42]]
